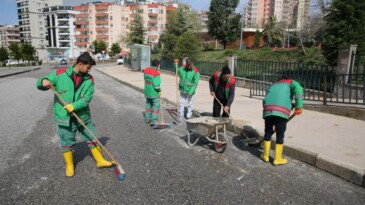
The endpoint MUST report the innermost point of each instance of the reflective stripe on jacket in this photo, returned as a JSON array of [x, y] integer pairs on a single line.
[[279, 96]]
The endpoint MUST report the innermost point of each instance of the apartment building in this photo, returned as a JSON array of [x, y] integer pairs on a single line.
[[98, 21], [111, 22], [293, 13], [32, 23], [60, 35], [8, 34]]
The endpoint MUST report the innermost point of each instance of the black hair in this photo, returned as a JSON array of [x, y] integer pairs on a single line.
[[284, 77], [155, 63], [85, 59]]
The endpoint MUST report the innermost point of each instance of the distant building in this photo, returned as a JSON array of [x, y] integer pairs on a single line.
[[294, 13], [32, 23], [60, 35], [111, 22], [8, 34]]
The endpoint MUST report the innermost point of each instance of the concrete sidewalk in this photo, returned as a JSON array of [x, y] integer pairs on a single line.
[[333, 143], [9, 71]]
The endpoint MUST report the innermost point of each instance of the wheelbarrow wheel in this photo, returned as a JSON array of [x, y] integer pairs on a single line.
[[219, 147]]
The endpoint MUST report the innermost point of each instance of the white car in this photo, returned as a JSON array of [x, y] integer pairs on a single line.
[[120, 60]]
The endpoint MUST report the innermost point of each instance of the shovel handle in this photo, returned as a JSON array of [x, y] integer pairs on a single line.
[[83, 124]]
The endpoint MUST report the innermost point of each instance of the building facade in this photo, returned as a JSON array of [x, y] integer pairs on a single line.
[[293, 13], [60, 34], [111, 22], [32, 23], [8, 34]]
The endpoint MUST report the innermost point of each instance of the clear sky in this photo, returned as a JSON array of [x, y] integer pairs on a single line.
[[8, 10]]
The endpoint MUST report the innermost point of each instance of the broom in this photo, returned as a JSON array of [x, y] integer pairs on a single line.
[[118, 168], [161, 125]]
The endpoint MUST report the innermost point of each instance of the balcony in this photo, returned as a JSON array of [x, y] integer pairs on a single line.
[[102, 22], [81, 22], [153, 28], [82, 43], [63, 25], [102, 29], [152, 14], [81, 15], [152, 21], [82, 36], [132, 15], [64, 40], [153, 36], [101, 14], [102, 36], [81, 29]]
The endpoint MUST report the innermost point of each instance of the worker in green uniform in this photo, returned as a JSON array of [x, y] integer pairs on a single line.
[[152, 92], [277, 107], [76, 87]]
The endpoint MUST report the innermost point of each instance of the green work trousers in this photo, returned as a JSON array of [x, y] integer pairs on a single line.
[[152, 109], [67, 134]]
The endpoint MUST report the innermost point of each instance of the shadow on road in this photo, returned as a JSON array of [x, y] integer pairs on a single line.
[[81, 150]]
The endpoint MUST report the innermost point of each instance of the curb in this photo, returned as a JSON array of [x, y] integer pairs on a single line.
[[20, 72], [345, 171]]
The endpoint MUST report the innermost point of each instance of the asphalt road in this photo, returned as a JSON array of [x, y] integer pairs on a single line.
[[160, 167]]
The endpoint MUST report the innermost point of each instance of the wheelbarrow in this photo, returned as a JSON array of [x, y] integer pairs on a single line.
[[210, 128]]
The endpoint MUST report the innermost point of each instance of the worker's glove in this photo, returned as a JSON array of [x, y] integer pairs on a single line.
[[159, 93], [298, 111], [226, 109], [212, 94], [69, 107]]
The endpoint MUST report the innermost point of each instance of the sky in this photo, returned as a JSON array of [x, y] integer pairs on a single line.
[[8, 10]]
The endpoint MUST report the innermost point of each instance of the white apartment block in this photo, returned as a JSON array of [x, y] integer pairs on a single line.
[[60, 34], [32, 23], [8, 34]]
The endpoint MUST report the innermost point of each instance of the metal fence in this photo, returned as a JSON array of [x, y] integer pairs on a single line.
[[320, 82]]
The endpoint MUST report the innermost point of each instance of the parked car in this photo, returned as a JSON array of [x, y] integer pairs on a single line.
[[13, 62], [63, 62], [120, 60]]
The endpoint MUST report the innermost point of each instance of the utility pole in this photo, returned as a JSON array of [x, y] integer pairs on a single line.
[[241, 43]]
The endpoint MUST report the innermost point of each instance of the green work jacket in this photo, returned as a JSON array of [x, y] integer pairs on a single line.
[[152, 82], [79, 97], [189, 79], [279, 96]]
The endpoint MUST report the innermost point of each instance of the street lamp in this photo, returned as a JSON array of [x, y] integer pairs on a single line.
[[72, 36], [241, 31]]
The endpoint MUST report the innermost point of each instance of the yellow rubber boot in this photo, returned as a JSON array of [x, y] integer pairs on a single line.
[[100, 161], [278, 155], [265, 155], [69, 161]]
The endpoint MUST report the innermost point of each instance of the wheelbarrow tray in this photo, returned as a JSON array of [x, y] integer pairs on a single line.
[[206, 126]]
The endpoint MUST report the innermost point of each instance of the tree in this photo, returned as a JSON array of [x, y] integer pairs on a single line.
[[136, 36], [257, 39], [345, 24], [272, 31], [115, 49], [166, 45], [100, 45], [177, 22], [223, 23], [4, 55], [15, 51], [187, 45], [27, 51]]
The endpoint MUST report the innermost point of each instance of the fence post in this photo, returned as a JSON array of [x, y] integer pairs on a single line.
[[231, 60], [324, 90], [250, 88]]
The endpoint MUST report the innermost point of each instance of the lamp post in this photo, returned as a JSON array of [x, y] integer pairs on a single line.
[[72, 36], [241, 31]]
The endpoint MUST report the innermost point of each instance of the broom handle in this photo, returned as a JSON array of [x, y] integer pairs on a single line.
[[82, 123], [161, 110], [229, 115], [177, 90]]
